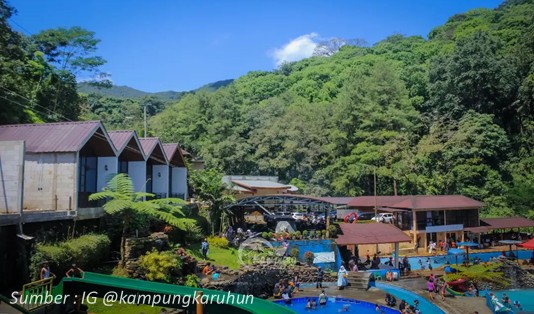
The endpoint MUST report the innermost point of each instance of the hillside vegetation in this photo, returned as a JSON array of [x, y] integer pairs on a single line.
[[453, 114]]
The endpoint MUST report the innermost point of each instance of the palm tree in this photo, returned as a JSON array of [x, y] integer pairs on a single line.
[[122, 199]]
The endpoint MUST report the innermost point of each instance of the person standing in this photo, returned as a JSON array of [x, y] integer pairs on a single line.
[[342, 278], [320, 275], [75, 271], [45, 272], [205, 248]]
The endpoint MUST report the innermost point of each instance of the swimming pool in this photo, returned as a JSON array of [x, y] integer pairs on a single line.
[[524, 296], [335, 305], [402, 294], [440, 260]]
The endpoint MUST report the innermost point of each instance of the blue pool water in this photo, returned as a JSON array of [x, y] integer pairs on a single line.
[[336, 305], [524, 296], [440, 260], [316, 246], [425, 306]]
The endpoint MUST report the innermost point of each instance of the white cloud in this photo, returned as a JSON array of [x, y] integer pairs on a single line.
[[297, 49]]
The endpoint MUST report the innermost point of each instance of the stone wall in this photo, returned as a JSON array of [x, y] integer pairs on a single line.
[[260, 279]]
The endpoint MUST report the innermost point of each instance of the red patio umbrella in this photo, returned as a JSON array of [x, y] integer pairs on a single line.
[[528, 245]]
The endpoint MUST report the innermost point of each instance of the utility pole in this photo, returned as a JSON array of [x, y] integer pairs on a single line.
[[144, 113]]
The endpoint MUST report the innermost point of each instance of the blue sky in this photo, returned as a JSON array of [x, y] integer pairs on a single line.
[[181, 45]]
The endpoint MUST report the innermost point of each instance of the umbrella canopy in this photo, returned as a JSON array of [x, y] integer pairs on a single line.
[[456, 252], [467, 245], [528, 245], [510, 243]]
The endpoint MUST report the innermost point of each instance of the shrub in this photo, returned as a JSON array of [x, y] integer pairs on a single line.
[[323, 233], [86, 251], [218, 242], [270, 235], [288, 261], [159, 265], [308, 257], [265, 235], [192, 280], [294, 252], [120, 272], [305, 233], [332, 231]]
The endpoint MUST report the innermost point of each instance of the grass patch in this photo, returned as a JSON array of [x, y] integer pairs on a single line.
[[216, 255], [100, 308]]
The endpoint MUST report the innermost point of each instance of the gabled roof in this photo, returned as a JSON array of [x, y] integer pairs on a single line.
[[127, 141], [58, 137], [370, 233], [174, 154], [260, 184], [418, 202], [153, 149]]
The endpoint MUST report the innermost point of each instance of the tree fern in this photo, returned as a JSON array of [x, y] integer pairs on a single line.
[[122, 199]]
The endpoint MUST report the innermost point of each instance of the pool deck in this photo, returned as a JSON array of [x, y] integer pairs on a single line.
[[451, 305]]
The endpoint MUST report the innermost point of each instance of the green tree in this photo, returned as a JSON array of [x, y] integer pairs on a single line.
[[209, 189], [122, 199]]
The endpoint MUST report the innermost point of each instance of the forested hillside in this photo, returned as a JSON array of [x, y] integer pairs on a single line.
[[453, 114]]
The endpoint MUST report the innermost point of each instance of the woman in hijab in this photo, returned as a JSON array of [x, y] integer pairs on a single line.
[[342, 277]]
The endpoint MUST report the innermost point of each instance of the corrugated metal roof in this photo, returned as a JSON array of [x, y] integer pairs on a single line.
[[508, 222], [153, 149], [174, 154], [148, 144], [417, 202], [336, 200], [51, 137], [260, 184], [370, 233], [120, 138]]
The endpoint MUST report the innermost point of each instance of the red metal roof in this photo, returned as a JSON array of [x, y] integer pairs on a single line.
[[174, 154], [508, 222], [370, 233], [127, 144], [418, 202], [336, 200], [55, 137], [153, 149], [120, 138]]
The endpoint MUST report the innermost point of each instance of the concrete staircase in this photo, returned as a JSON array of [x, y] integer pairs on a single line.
[[359, 280]]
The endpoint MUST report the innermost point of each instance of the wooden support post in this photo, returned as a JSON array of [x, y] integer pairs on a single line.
[[200, 306]]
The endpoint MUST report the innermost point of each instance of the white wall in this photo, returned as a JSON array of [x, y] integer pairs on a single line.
[[104, 176], [137, 171], [179, 181], [160, 179], [48, 175], [11, 174]]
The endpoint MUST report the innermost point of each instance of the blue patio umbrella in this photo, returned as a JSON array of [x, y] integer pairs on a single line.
[[456, 252], [467, 245]]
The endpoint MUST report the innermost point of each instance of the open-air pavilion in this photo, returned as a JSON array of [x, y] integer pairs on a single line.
[[372, 236], [488, 225]]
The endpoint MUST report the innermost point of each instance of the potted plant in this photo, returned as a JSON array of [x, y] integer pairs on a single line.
[[308, 257], [305, 234]]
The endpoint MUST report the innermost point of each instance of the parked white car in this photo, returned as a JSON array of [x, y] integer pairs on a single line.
[[298, 216], [384, 217]]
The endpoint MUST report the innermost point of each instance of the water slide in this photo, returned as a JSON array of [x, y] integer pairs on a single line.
[[101, 284]]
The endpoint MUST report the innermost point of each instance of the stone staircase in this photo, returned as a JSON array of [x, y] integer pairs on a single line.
[[359, 280]]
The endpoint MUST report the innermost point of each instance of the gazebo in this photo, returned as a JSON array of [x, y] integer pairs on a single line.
[[372, 233]]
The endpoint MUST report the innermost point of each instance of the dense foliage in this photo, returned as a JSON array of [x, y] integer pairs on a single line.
[[451, 114], [38, 72], [87, 252], [159, 266]]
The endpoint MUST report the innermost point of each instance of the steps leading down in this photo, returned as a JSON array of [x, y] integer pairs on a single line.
[[359, 280]]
